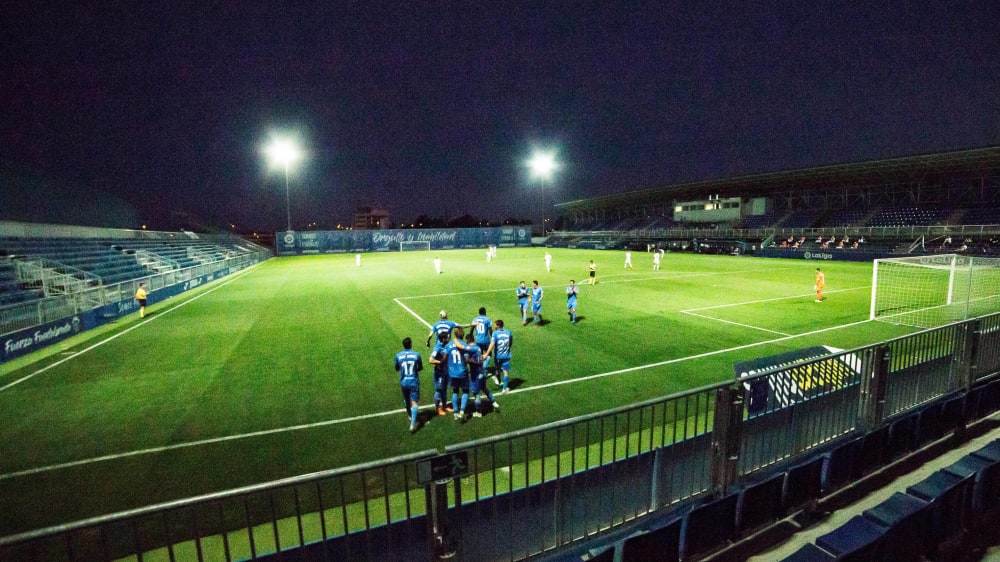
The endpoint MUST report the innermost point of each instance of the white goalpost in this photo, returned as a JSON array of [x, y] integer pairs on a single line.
[[928, 291], [414, 245]]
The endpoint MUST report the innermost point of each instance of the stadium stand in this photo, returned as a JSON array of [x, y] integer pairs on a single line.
[[115, 260]]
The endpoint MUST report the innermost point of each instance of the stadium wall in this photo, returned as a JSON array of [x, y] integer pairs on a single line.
[[341, 241]]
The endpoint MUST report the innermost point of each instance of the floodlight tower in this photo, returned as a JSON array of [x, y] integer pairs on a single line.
[[542, 165], [284, 153]]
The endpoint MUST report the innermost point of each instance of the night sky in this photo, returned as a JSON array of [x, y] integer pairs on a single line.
[[433, 107]]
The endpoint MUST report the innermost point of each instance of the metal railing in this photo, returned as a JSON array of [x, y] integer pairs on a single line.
[[88, 296], [537, 490]]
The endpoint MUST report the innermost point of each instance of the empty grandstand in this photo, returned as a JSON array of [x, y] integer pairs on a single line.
[[915, 204]]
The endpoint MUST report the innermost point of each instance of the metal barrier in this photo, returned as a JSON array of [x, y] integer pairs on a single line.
[[252, 522], [549, 486], [88, 297], [535, 491]]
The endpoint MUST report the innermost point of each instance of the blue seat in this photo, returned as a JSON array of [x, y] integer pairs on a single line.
[[860, 539], [929, 427], [803, 483], [840, 467], [949, 496], [991, 451], [709, 527], [902, 437], [662, 544], [971, 465], [953, 413], [872, 455], [989, 399], [906, 520], [759, 504]]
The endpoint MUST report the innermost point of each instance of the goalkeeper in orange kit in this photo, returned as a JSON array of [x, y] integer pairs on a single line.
[[820, 282]]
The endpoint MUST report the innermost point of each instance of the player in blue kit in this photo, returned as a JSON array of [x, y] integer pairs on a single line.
[[439, 360], [458, 374], [475, 357], [409, 364], [482, 329], [524, 301], [571, 292], [500, 344], [536, 302], [442, 326]]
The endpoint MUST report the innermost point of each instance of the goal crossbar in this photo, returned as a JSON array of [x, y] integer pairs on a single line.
[[414, 245]]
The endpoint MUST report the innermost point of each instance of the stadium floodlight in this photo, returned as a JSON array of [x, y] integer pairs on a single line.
[[543, 165], [284, 152]]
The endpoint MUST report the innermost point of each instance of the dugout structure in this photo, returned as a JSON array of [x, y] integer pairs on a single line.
[[929, 291]]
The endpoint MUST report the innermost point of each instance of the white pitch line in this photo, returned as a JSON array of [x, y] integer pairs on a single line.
[[151, 318], [734, 323], [688, 358], [415, 315], [713, 307], [314, 425], [223, 439]]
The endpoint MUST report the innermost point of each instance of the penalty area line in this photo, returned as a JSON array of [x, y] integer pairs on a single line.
[[740, 324]]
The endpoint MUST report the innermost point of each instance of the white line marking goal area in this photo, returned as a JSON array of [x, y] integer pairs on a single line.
[[695, 311]]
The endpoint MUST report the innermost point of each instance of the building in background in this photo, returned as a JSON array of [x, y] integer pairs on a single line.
[[370, 218]]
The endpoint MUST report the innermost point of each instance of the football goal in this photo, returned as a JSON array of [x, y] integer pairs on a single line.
[[929, 291], [414, 245]]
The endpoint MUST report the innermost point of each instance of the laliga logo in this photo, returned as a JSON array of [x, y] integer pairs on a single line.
[[289, 238], [807, 255]]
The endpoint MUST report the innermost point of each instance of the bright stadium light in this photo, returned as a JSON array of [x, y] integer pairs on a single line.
[[284, 152], [543, 165]]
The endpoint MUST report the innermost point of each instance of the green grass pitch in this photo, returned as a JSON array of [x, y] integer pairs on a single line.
[[286, 368]]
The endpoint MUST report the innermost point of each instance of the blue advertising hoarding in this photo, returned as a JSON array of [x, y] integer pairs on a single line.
[[353, 241], [23, 342]]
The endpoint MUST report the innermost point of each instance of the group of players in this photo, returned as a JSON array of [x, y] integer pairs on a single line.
[[460, 362]]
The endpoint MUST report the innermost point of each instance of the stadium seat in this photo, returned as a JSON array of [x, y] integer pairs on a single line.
[[860, 539], [902, 437], [660, 545], [990, 452], [989, 399], [953, 413], [759, 505], [872, 455], [709, 527], [840, 467], [949, 497], [971, 465], [929, 427], [809, 553], [803, 483], [906, 521]]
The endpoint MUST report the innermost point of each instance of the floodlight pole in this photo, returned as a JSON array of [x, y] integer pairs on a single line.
[[542, 166], [543, 208], [288, 207]]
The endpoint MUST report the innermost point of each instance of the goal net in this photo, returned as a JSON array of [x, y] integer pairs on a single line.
[[929, 291], [414, 245]]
